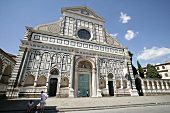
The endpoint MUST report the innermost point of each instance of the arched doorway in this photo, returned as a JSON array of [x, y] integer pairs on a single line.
[[84, 73], [53, 82], [110, 84]]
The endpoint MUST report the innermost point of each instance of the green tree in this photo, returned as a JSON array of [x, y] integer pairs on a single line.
[[152, 72], [141, 72]]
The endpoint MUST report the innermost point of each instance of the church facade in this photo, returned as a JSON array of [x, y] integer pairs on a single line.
[[73, 57]]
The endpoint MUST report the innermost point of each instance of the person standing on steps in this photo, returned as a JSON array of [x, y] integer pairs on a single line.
[[44, 96], [87, 93], [78, 93]]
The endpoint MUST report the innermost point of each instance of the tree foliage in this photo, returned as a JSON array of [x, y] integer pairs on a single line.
[[134, 70], [141, 72], [152, 72]]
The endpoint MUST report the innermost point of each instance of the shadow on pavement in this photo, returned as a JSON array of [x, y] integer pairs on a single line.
[[20, 106]]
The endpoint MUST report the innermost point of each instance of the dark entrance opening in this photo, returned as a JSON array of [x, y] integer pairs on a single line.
[[111, 88], [53, 86]]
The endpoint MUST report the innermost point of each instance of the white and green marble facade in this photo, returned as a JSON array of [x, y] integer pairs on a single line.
[[54, 50]]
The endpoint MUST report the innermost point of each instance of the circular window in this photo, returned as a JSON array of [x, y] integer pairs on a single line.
[[84, 34]]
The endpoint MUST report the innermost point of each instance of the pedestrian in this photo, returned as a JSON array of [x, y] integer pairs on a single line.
[[87, 93], [78, 93], [44, 96], [30, 106]]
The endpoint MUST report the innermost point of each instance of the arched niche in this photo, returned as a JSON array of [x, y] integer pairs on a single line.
[[124, 84], [64, 82], [118, 85], [102, 84], [6, 74], [29, 81], [41, 81]]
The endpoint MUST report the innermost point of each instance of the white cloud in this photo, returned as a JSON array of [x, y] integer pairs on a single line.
[[153, 53], [130, 34], [144, 48], [124, 18], [114, 35]]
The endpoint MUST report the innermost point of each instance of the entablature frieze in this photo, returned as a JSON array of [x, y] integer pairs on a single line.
[[40, 40], [48, 34]]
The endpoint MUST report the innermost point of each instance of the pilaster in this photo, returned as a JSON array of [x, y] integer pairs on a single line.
[[94, 83], [71, 90], [121, 82], [106, 90], [76, 83], [98, 78]]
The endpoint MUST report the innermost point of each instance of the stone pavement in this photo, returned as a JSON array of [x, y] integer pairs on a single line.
[[73, 104]]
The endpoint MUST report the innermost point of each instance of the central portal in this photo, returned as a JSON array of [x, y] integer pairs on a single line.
[[83, 85], [83, 79]]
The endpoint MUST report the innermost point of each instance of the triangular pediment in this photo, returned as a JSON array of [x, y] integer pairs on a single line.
[[83, 10]]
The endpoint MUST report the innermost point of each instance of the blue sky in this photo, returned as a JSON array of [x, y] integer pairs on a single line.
[[142, 25]]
